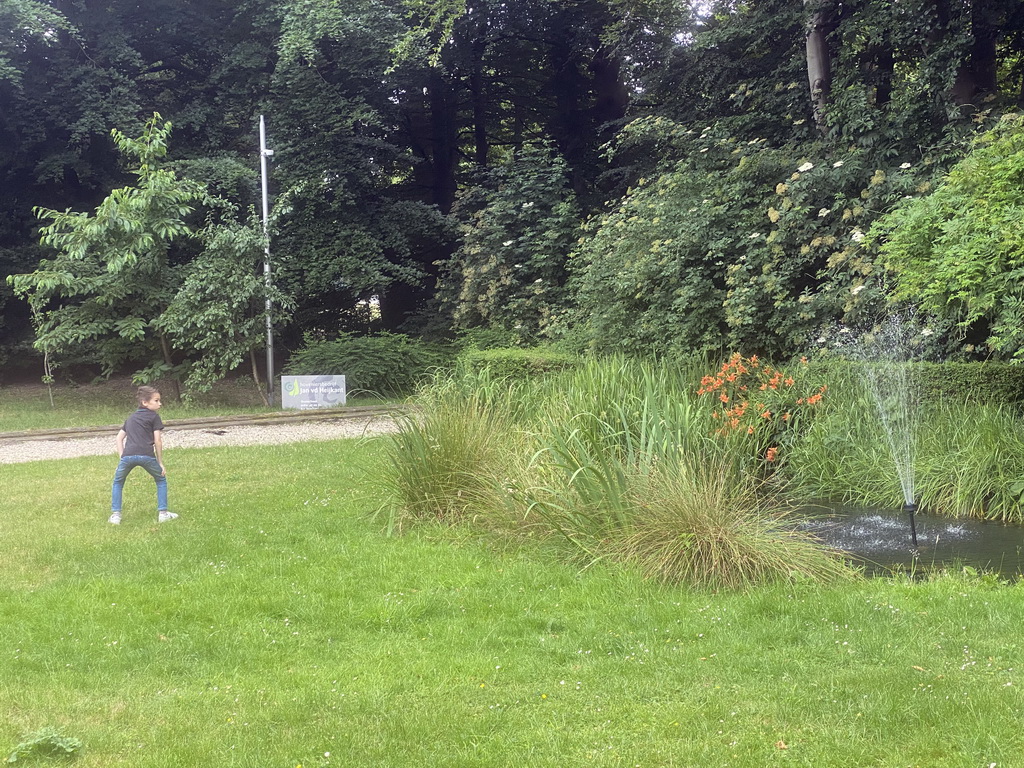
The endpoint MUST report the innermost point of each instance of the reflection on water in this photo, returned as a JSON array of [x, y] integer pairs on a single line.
[[880, 539]]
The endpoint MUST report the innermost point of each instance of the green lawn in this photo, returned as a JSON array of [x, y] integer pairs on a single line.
[[28, 407], [273, 625]]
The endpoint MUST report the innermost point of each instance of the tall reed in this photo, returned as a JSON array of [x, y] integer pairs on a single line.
[[969, 460]]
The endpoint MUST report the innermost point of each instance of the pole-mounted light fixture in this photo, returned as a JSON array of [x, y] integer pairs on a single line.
[[265, 154]]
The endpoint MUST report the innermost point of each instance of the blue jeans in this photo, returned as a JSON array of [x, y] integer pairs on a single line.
[[148, 463]]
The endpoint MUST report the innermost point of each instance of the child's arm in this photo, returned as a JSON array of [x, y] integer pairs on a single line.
[[121, 435], [158, 448]]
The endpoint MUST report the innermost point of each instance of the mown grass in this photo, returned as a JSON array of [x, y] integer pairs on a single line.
[[28, 407], [274, 625]]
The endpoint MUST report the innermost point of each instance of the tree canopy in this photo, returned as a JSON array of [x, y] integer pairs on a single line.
[[675, 177]]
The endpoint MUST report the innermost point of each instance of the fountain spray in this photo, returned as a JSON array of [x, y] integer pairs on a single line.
[[885, 354]]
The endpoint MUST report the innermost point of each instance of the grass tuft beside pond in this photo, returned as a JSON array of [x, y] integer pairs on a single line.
[[274, 625]]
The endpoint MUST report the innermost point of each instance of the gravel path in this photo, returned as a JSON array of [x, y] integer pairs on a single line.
[[271, 434]]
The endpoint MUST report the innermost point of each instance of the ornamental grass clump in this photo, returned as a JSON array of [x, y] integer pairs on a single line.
[[441, 464], [710, 525]]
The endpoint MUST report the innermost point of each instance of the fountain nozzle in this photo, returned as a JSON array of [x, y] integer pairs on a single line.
[[910, 508]]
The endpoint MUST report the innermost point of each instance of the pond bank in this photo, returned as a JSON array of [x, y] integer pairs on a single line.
[[880, 540]]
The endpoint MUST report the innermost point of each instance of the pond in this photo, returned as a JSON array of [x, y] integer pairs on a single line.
[[879, 539]]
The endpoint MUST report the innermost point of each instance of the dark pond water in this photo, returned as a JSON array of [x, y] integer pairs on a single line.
[[880, 540]]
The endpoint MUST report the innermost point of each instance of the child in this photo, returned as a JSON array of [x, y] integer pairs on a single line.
[[140, 443]]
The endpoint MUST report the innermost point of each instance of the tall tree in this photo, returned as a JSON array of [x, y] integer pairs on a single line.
[[115, 294], [109, 64], [352, 216]]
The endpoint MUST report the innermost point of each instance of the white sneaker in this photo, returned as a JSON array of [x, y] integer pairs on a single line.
[[164, 516], [115, 518]]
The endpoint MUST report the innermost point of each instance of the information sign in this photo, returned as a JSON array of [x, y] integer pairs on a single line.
[[309, 393]]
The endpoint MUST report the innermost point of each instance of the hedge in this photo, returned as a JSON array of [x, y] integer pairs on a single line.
[[517, 363], [384, 363]]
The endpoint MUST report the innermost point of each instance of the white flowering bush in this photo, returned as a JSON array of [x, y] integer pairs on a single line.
[[815, 266], [740, 245], [518, 226]]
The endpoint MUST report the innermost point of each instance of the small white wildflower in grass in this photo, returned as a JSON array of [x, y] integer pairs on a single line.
[[905, 166], [755, 236], [508, 242], [927, 332], [824, 212], [857, 236], [805, 167], [837, 164]]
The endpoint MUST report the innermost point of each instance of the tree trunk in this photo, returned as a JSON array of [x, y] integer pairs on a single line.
[[444, 144], [570, 124], [819, 65], [611, 97], [478, 92], [256, 378], [885, 66], [977, 74], [476, 86], [166, 350]]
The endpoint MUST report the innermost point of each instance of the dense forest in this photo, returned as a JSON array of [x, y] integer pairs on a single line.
[[635, 175]]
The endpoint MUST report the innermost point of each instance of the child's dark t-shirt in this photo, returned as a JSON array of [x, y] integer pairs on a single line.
[[140, 427]]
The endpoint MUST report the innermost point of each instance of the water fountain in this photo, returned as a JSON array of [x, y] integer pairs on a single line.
[[885, 353]]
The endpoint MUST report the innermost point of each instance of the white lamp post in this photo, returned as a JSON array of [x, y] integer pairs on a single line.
[[264, 155]]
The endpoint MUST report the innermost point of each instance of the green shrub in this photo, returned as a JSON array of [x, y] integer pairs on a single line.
[[516, 363], [957, 251], [385, 363], [485, 337], [995, 383]]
